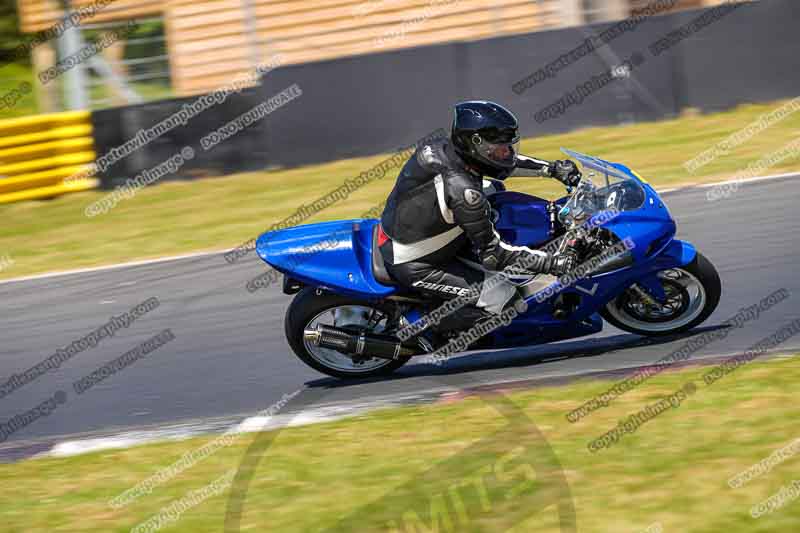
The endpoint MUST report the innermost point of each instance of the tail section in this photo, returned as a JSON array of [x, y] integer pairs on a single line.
[[336, 255]]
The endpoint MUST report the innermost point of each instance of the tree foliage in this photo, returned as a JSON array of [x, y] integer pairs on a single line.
[[10, 35]]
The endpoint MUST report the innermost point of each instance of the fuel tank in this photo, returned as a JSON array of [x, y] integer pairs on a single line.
[[521, 219]]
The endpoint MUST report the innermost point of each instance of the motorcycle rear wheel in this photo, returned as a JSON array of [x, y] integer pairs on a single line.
[[693, 293], [311, 307]]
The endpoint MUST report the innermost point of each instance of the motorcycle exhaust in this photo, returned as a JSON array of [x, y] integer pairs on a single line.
[[361, 344]]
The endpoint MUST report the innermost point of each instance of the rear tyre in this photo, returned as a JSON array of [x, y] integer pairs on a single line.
[[310, 308], [692, 291]]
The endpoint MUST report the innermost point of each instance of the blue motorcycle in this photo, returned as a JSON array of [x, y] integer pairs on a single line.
[[347, 314]]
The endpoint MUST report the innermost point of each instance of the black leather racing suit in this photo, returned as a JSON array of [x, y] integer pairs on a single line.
[[437, 208]]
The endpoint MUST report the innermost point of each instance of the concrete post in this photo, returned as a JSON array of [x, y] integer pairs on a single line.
[[76, 95]]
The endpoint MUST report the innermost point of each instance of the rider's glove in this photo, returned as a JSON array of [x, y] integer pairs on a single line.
[[564, 171], [562, 264]]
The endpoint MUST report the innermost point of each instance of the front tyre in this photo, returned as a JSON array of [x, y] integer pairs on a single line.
[[311, 308], [692, 294]]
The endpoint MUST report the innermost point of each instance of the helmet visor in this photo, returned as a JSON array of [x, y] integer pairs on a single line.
[[499, 154]]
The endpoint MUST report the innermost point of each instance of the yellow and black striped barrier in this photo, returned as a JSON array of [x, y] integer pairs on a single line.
[[37, 153]]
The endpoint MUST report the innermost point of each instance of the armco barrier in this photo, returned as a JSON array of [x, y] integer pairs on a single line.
[[37, 153]]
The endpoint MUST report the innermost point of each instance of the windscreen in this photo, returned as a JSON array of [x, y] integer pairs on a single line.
[[603, 189]]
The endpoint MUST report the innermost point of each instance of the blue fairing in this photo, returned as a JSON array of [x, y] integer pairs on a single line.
[[334, 255]]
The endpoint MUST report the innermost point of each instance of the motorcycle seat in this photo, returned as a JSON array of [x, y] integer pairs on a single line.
[[378, 266]]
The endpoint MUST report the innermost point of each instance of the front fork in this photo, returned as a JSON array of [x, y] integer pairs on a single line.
[[676, 254]]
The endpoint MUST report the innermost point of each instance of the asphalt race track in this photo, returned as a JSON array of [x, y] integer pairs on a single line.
[[229, 357]]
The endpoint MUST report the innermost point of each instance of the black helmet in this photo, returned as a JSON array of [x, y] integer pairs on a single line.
[[486, 135]]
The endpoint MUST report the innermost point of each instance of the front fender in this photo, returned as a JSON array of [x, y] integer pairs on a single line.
[[678, 253]]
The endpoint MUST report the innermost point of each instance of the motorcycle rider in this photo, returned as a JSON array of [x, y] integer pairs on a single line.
[[438, 206]]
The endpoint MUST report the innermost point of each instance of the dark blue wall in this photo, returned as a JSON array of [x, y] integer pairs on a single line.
[[376, 103]]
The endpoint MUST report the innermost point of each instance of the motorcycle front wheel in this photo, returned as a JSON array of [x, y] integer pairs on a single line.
[[692, 294]]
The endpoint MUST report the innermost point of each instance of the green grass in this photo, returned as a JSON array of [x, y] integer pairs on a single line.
[[11, 76], [219, 213], [390, 464]]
